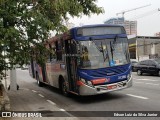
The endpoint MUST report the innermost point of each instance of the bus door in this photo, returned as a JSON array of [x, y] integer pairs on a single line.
[[71, 64]]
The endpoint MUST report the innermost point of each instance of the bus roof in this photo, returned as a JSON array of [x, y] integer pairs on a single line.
[[71, 32]]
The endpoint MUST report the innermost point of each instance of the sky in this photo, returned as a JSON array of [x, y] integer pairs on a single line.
[[148, 18]]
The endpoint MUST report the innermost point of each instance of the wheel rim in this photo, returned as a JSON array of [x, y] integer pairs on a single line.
[[64, 88]]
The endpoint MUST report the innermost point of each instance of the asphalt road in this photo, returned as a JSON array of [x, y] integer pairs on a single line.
[[144, 95]]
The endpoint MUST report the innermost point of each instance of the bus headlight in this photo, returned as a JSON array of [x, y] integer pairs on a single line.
[[83, 80], [89, 83], [128, 76]]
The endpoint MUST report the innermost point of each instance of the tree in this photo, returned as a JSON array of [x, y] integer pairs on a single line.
[[28, 22]]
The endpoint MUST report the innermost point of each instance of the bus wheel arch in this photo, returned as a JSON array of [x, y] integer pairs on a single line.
[[63, 86]]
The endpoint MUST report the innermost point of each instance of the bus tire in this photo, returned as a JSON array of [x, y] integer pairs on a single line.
[[63, 87], [40, 84]]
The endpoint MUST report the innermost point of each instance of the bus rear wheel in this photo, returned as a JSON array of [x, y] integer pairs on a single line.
[[40, 84]]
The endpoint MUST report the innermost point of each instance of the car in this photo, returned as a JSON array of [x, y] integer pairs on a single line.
[[133, 63], [151, 66]]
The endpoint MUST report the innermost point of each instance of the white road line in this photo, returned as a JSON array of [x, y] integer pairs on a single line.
[[62, 110], [141, 97], [138, 82], [41, 95], [51, 102], [34, 91], [151, 84], [146, 79], [24, 89]]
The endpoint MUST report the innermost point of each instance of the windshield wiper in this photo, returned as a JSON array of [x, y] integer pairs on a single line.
[[107, 56], [93, 41], [112, 45], [100, 50]]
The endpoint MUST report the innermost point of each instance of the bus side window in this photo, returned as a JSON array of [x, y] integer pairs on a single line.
[[50, 53], [53, 53], [59, 50]]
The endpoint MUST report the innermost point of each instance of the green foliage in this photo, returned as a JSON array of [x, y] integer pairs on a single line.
[[24, 23]]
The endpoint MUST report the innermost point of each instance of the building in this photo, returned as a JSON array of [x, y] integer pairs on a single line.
[[115, 21], [144, 47], [130, 26], [157, 34]]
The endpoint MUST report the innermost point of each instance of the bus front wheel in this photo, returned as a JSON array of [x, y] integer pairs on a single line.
[[63, 88]]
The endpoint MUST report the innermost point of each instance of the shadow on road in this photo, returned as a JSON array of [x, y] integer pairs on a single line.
[[88, 99], [98, 98]]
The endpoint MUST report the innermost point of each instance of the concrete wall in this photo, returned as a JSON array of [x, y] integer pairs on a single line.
[[146, 46]]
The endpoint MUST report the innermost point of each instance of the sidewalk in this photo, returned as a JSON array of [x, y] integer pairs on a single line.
[[26, 100]]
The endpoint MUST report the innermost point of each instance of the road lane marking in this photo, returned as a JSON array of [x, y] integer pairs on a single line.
[[34, 91], [62, 109], [141, 97], [41, 95], [70, 115], [146, 79], [138, 82], [151, 84], [51, 102]]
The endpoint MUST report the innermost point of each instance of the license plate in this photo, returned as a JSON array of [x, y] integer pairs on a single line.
[[111, 87]]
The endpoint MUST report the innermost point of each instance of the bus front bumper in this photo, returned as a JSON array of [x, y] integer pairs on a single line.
[[100, 89]]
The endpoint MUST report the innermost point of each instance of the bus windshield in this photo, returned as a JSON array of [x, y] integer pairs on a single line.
[[104, 53]]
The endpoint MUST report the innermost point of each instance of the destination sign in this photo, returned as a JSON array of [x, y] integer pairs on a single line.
[[92, 31]]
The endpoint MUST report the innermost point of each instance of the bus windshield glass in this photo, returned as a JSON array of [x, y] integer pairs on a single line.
[[104, 53]]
